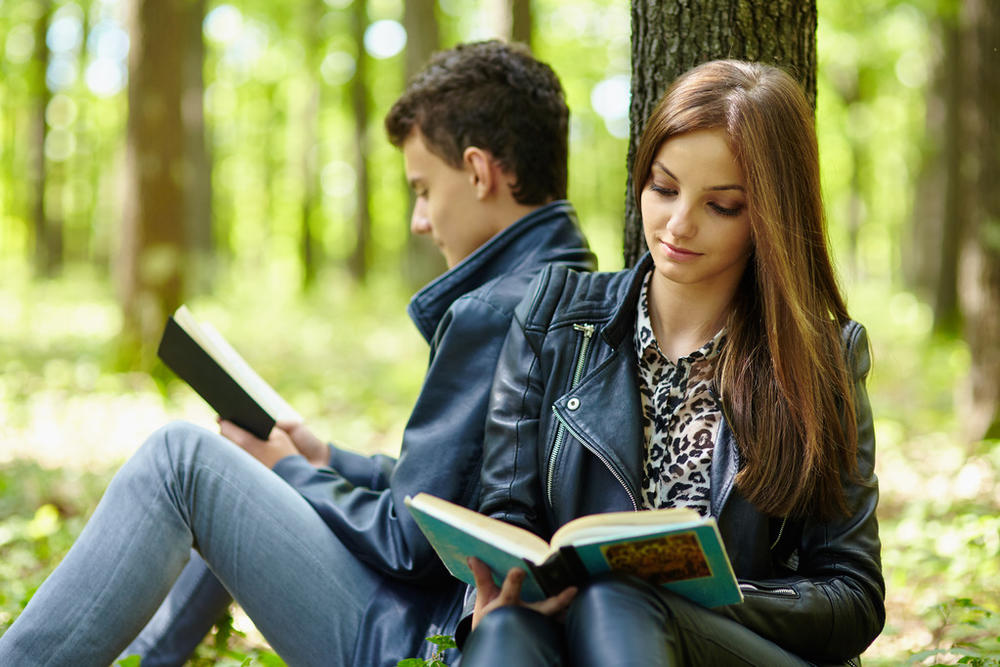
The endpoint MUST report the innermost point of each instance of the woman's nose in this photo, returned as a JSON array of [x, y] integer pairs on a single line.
[[681, 222]]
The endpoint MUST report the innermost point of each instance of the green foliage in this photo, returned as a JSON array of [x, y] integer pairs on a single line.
[[442, 642], [972, 631]]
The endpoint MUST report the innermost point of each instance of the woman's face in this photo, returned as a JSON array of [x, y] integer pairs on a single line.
[[694, 212]]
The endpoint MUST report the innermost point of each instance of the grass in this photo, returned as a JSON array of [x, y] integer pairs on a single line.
[[351, 362]]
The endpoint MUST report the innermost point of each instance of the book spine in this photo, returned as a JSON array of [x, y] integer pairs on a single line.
[[563, 569]]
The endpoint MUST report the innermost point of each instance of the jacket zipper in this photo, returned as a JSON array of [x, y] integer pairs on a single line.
[[607, 464], [781, 591], [587, 330]]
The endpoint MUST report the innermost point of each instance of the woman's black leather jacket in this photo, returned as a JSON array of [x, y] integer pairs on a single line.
[[564, 439]]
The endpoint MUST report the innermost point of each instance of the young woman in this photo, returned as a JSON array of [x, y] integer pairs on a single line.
[[722, 373]]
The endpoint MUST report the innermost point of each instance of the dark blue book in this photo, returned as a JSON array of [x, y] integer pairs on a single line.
[[675, 548], [203, 358]]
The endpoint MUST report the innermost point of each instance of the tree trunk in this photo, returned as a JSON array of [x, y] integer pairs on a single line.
[[47, 249], [670, 37], [423, 38], [521, 23], [980, 272], [153, 243], [309, 241], [922, 243], [359, 260], [198, 174], [953, 221]]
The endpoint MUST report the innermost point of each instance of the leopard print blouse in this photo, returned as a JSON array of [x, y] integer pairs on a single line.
[[681, 418]]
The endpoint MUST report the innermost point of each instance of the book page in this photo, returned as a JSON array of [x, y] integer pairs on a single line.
[[215, 344], [611, 525]]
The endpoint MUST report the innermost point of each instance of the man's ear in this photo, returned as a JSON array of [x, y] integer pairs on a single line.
[[483, 170]]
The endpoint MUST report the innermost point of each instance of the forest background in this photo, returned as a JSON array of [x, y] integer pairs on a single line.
[[286, 225]]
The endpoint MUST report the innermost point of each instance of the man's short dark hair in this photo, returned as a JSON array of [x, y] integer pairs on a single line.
[[497, 97]]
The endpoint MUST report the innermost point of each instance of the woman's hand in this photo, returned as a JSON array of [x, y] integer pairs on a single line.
[[490, 597]]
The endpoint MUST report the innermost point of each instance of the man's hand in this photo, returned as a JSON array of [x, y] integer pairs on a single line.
[[312, 448], [277, 446], [489, 597]]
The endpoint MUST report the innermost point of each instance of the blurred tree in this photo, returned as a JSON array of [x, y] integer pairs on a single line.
[[511, 20], [668, 38], [932, 240], [980, 171], [952, 254], [310, 242], [154, 243], [47, 230], [521, 21], [359, 260], [423, 37], [198, 159]]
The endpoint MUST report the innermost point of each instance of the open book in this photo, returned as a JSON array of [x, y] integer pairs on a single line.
[[676, 548], [199, 354]]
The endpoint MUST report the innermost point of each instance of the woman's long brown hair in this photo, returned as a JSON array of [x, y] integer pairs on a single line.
[[783, 376]]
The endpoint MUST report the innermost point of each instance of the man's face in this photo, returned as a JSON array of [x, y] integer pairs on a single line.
[[446, 207]]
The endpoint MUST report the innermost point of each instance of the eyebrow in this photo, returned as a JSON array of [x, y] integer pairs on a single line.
[[713, 188]]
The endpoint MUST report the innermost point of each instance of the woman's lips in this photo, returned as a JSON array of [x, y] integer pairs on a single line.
[[677, 253]]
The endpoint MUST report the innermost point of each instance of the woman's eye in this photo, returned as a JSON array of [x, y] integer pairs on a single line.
[[722, 210], [660, 190]]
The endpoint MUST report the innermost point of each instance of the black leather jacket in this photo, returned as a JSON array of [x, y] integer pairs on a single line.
[[465, 315], [565, 439]]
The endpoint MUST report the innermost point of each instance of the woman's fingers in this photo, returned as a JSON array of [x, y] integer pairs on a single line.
[[556, 603], [485, 586]]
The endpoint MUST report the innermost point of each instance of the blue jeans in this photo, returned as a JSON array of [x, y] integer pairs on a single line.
[[197, 600], [190, 488]]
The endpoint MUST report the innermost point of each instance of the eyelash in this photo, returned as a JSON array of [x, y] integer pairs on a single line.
[[728, 212], [721, 210]]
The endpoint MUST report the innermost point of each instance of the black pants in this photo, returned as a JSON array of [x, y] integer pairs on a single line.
[[620, 621]]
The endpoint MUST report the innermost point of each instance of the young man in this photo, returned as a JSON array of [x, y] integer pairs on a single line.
[[324, 556]]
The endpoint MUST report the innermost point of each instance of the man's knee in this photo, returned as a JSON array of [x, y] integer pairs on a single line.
[[179, 442]]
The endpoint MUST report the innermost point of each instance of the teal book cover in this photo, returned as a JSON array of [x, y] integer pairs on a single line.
[[454, 545], [688, 560], [672, 548]]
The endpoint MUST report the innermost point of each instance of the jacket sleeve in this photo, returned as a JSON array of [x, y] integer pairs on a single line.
[[360, 470], [511, 451], [440, 454], [833, 607]]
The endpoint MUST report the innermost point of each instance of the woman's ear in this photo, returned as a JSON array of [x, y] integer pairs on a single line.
[[482, 170]]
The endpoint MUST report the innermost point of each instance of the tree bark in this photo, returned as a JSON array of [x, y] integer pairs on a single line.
[[670, 37], [980, 271], [153, 242]]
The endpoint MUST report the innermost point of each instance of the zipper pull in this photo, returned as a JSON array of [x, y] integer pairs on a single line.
[[587, 329]]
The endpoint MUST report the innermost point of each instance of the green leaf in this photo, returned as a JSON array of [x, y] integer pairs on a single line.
[[131, 661], [412, 662], [443, 641]]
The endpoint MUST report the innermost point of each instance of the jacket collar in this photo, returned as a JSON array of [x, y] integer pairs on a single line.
[[539, 237], [622, 321]]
